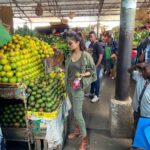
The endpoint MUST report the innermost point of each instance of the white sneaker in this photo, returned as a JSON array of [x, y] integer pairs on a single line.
[[88, 95], [95, 99]]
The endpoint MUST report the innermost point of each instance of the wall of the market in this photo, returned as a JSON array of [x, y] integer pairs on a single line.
[[109, 21]]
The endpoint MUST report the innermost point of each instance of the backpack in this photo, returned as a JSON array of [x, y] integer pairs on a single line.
[[114, 47]]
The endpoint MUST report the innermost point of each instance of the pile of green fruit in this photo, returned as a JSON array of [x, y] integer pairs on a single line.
[[58, 42], [63, 48], [46, 95], [13, 116], [21, 59], [139, 36]]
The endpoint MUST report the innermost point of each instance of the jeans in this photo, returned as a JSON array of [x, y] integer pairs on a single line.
[[76, 98], [95, 86], [108, 65]]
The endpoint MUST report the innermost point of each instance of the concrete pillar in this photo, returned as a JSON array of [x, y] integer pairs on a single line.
[[127, 21], [121, 120], [120, 110]]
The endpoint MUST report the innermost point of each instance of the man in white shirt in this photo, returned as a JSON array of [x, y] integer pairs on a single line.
[[141, 104]]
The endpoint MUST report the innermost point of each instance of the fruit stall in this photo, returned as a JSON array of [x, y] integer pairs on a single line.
[[32, 94]]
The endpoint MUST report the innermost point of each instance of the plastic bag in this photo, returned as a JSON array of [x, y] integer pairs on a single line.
[[55, 131], [66, 107], [2, 143], [101, 73], [35, 126], [68, 103], [76, 83]]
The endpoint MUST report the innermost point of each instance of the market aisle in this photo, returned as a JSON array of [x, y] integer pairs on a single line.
[[97, 121]]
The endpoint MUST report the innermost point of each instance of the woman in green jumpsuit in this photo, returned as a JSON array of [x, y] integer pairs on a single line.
[[79, 63]]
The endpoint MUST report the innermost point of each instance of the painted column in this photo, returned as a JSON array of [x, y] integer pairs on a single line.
[[127, 22]]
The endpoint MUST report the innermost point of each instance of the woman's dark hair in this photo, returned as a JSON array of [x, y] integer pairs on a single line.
[[77, 37]]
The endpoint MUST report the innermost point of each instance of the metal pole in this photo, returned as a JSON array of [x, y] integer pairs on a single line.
[[101, 2], [98, 19], [127, 21]]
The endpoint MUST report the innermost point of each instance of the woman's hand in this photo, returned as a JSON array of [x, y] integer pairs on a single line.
[[85, 74]]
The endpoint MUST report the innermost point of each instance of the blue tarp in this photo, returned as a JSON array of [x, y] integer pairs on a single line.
[[142, 135]]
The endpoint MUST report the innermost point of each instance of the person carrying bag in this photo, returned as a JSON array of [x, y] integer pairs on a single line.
[[141, 100]]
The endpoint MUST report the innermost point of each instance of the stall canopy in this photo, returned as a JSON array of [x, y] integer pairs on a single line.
[[34, 10]]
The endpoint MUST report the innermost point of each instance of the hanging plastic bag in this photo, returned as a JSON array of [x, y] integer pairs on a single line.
[[68, 103], [101, 73], [54, 132], [67, 107]]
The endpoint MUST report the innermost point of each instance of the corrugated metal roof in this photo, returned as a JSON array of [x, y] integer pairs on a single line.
[[66, 8]]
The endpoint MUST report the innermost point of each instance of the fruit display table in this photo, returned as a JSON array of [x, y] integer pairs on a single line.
[[15, 124], [29, 87], [50, 131]]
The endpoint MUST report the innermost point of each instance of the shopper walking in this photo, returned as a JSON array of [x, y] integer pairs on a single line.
[[97, 54], [141, 99], [79, 65], [106, 37], [143, 50]]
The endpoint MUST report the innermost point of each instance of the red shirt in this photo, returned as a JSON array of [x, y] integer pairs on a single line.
[[133, 54]]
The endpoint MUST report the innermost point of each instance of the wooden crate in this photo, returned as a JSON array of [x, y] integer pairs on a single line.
[[41, 144], [15, 134], [12, 91], [39, 141], [18, 134]]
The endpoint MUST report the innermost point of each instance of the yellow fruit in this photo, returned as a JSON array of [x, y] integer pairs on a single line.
[[1, 56], [7, 68], [3, 61], [2, 73], [18, 64], [9, 74], [18, 74]]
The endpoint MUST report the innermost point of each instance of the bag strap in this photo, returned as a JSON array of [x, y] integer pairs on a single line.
[[141, 95]]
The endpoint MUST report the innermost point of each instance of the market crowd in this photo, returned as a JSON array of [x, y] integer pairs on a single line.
[[85, 67]]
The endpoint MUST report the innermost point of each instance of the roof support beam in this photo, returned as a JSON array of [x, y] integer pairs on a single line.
[[21, 10], [31, 3], [66, 15], [101, 2]]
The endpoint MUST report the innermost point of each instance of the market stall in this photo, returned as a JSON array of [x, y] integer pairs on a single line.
[[32, 94]]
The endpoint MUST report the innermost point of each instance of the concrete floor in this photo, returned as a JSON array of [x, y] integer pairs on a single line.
[[97, 121]]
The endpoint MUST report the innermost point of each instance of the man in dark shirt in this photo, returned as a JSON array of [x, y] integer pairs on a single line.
[[97, 54], [143, 51]]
